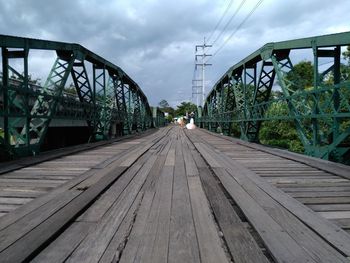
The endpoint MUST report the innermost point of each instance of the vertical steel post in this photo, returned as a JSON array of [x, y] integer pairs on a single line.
[[315, 128], [5, 83], [26, 88], [336, 97]]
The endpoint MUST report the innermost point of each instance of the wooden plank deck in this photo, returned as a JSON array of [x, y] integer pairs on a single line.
[[175, 196], [22, 185], [322, 186]]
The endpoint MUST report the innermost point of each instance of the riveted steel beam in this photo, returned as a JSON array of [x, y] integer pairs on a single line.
[[321, 113], [103, 97]]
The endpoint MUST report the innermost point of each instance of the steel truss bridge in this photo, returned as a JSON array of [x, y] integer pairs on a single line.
[[321, 114], [106, 97]]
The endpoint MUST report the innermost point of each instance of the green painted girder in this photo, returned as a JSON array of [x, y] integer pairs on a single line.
[[29, 43], [320, 114], [111, 97], [158, 117]]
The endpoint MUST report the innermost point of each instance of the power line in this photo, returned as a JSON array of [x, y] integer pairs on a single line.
[[229, 21], [220, 20], [238, 27]]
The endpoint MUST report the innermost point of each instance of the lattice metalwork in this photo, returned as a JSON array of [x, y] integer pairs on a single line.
[[321, 113], [104, 96]]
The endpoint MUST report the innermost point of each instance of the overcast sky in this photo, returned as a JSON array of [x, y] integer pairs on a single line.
[[154, 40]]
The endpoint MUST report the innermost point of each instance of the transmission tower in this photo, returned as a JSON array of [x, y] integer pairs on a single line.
[[200, 89]]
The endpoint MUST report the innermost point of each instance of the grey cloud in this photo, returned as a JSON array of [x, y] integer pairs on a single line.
[[153, 40]]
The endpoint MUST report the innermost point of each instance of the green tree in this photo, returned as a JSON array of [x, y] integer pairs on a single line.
[[346, 54], [165, 107], [71, 89], [163, 104], [301, 75], [280, 133], [185, 107]]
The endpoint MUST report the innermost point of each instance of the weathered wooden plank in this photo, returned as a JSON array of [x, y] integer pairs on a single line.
[[8, 207], [316, 194], [170, 159], [14, 232], [342, 222], [135, 155], [48, 228], [154, 173], [210, 246], [31, 184], [325, 200], [315, 189], [2, 214], [313, 184], [209, 159], [330, 207], [330, 232], [94, 245], [242, 245], [138, 229], [37, 176], [190, 165], [15, 200], [317, 247], [335, 214], [282, 246], [183, 244], [117, 244], [38, 202], [292, 180], [145, 245], [60, 249], [335, 168], [161, 241], [30, 181], [27, 208], [99, 208]]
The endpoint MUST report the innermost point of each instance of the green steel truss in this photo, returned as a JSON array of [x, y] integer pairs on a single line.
[[158, 117], [105, 95], [321, 113]]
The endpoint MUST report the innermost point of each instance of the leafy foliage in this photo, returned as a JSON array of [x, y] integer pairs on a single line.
[[280, 133], [301, 75], [185, 107], [165, 107], [71, 89], [163, 104]]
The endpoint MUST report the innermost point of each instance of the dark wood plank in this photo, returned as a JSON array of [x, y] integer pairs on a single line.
[[137, 233], [145, 245], [316, 194], [117, 244], [60, 249], [183, 244], [327, 230], [14, 232], [342, 222], [335, 214], [281, 245], [99, 208], [94, 245], [39, 235], [161, 242], [335, 168], [40, 201], [210, 246], [242, 245], [271, 232], [330, 207]]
